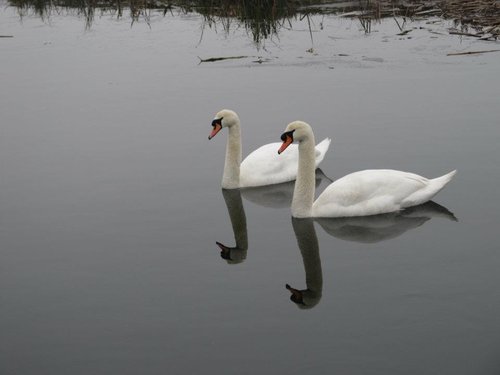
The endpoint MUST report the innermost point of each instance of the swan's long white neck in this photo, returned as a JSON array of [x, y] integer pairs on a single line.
[[303, 193], [231, 176]]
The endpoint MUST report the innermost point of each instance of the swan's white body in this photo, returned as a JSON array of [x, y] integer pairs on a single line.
[[263, 166], [363, 193], [376, 191]]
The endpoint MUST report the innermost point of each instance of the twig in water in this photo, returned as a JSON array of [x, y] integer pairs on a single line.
[[397, 23], [310, 30], [212, 59], [456, 32], [404, 32], [472, 52]]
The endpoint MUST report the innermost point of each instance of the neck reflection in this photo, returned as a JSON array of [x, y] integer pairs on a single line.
[[309, 249], [238, 253]]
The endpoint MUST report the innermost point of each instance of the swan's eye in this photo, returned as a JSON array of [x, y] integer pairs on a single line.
[[285, 135], [217, 121]]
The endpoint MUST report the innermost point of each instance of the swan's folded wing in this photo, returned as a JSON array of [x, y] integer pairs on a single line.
[[265, 166], [368, 192], [321, 149]]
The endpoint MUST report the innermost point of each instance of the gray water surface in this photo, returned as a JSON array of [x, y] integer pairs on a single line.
[[111, 206]]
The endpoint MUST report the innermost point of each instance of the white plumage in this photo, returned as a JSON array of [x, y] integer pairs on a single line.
[[262, 166], [265, 167], [363, 193]]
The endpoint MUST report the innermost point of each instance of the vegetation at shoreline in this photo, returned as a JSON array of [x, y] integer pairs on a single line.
[[263, 18]]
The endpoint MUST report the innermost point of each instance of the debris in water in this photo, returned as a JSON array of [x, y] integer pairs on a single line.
[[472, 52], [404, 32], [212, 59]]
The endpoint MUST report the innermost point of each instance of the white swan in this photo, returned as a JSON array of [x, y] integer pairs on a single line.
[[363, 193], [263, 166]]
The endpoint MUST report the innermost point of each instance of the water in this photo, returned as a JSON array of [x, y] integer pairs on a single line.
[[111, 203]]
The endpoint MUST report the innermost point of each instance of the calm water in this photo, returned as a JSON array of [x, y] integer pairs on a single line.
[[111, 203]]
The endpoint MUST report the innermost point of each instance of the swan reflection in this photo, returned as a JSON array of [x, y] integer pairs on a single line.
[[278, 195], [275, 196], [377, 228], [367, 229], [234, 204], [364, 229], [309, 249]]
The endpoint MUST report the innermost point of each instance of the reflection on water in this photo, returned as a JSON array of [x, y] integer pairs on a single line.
[[278, 195], [376, 228], [363, 229], [366, 229], [309, 249], [238, 253], [262, 19], [275, 196], [137, 9]]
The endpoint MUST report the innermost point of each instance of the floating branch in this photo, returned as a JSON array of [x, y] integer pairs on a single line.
[[463, 33], [212, 59], [472, 52], [404, 32]]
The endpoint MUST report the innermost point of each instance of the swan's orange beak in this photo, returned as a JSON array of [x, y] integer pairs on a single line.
[[217, 127], [287, 139]]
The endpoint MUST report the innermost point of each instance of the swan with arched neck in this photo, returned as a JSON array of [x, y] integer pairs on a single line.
[[363, 193], [262, 166]]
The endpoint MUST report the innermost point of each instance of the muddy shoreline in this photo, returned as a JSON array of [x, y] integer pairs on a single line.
[[477, 18]]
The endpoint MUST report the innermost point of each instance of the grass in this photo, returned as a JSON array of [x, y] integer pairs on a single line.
[[262, 19]]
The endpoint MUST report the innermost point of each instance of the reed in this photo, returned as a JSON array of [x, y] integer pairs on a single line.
[[263, 19]]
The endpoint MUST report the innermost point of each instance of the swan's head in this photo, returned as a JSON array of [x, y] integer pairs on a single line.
[[296, 131], [223, 119]]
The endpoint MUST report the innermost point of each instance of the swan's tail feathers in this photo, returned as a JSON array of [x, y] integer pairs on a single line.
[[321, 175], [321, 149], [433, 187], [437, 184], [440, 182]]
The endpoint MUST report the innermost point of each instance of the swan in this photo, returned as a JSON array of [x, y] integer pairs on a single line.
[[362, 193], [262, 166]]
